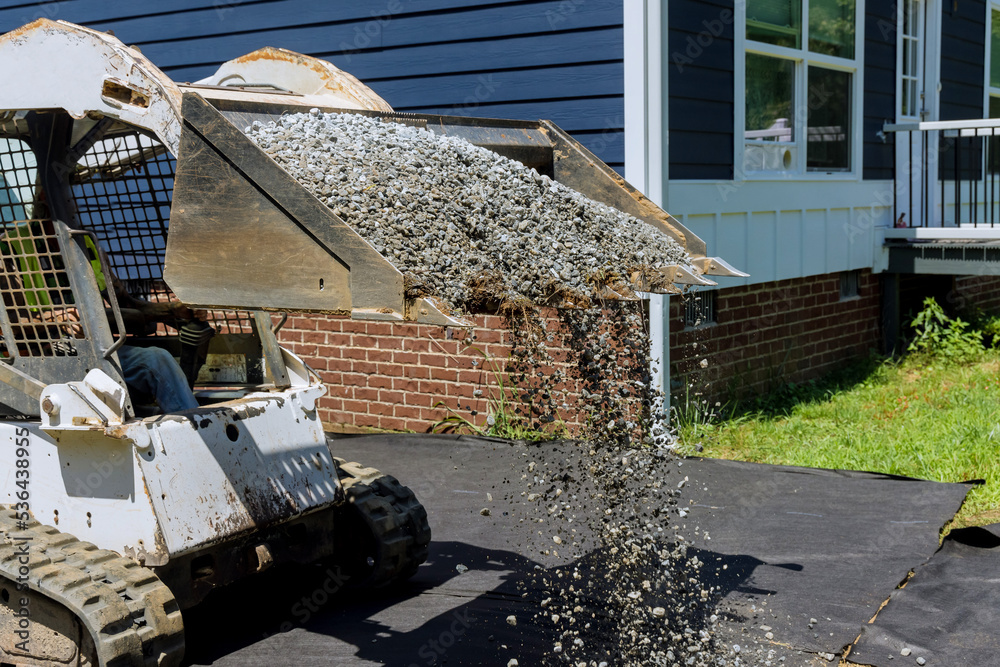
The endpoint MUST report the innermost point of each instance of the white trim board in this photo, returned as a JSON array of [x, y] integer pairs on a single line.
[[645, 93], [945, 233]]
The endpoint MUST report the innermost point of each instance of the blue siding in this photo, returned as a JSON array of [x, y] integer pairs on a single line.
[[878, 160], [554, 59], [700, 58], [963, 81], [963, 59]]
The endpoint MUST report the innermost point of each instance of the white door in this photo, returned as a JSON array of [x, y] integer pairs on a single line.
[[916, 101]]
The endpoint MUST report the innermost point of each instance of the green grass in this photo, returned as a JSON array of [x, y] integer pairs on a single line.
[[923, 417]]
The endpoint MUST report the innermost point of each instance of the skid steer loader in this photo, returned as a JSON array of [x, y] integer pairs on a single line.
[[114, 517]]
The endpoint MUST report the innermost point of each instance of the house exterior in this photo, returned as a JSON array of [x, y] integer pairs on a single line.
[[770, 128], [767, 129]]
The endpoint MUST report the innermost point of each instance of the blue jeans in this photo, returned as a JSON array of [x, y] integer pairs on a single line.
[[153, 371]]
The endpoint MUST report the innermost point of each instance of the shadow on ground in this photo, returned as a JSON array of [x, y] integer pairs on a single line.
[[433, 619]]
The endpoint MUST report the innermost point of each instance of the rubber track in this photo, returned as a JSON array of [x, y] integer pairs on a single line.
[[394, 514], [131, 615]]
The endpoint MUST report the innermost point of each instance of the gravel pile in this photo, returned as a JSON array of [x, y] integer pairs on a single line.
[[461, 222]]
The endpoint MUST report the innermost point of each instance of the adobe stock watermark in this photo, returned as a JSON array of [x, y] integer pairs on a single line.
[[485, 87], [613, 128], [561, 14], [46, 10], [431, 651], [302, 611], [695, 45], [224, 7], [371, 30]]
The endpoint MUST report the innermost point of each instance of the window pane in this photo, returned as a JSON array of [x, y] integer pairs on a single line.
[[775, 21], [829, 123], [994, 142], [995, 51], [769, 95], [831, 27]]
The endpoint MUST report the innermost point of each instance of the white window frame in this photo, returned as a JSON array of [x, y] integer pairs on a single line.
[[990, 91], [802, 58], [901, 58]]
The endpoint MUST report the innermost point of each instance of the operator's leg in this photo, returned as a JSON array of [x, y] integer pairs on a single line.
[[153, 371]]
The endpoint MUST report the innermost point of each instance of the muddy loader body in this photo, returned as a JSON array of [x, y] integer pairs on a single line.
[[118, 516]]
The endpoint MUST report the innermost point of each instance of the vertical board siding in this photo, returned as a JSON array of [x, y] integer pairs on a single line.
[[556, 59], [700, 78], [963, 59], [878, 159]]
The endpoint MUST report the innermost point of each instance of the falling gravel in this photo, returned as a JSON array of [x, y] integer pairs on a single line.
[[461, 222], [478, 230]]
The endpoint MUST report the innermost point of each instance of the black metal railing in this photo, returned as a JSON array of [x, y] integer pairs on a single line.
[[947, 173]]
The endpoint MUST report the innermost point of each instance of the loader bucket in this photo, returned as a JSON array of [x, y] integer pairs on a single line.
[[243, 233]]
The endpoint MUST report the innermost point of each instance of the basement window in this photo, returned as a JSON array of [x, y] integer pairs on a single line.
[[699, 309], [849, 285]]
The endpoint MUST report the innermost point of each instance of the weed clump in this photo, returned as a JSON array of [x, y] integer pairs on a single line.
[[936, 335]]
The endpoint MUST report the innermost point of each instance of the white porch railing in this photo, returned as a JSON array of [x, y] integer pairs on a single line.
[[947, 174]]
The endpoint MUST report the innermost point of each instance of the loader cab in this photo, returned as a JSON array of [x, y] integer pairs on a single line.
[[66, 186]]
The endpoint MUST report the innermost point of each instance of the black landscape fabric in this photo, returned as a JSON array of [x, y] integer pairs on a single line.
[[816, 552], [784, 545], [948, 613]]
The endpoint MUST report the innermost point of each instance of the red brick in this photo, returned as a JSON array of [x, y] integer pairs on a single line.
[[401, 357], [446, 346], [420, 398], [332, 377], [306, 350], [362, 340], [355, 379], [415, 371], [356, 406], [380, 382], [380, 355], [338, 339], [417, 426], [338, 364], [447, 374], [395, 370], [391, 397], [406, 411], [366, 420], [379, 328], [405, 384], [434, 388], [439, 360], [352, 326], [392, 423], [416, 344], [366, 394], [316, 337], [365, 367]]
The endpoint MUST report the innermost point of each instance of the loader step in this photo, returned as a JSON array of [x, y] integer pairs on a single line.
[[131, 617]]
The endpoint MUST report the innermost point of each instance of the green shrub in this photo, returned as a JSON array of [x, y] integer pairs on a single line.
[[988, 324], [937, 335]]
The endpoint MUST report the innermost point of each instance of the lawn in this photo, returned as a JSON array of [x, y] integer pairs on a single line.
[[921, 417]]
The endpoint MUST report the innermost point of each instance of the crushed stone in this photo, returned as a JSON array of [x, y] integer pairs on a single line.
[[461, 222]]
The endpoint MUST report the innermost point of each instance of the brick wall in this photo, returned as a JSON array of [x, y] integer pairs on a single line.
[[409, 376], [398, 377], [393, 376], [772, 333], [982, 292]]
